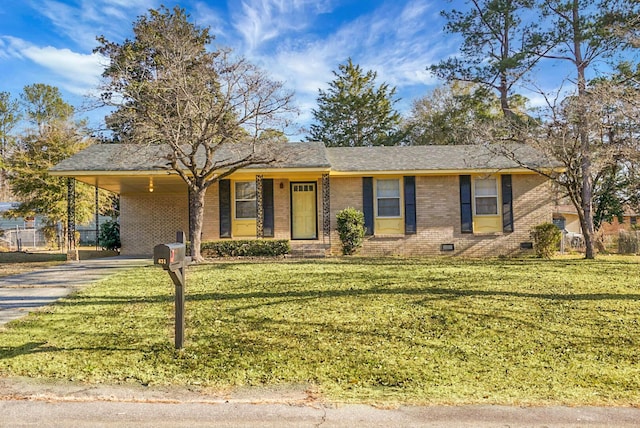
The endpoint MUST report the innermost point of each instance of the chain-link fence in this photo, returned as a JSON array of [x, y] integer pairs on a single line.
[[35, 239], [24, 239]]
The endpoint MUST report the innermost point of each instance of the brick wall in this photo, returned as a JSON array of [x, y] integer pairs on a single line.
[[151, 218], [281, 209], [211, 222], [148, 219], [438, 218]]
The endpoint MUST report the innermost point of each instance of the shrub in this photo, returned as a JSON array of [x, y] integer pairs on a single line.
[[546, 237], [628, 242], [351, 230], [50, 233], [109, 238], [246, 248]]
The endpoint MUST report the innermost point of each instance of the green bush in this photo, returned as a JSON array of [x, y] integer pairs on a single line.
[[50, 233], [628, 242], [546, 238], [109, 238], [351, 230], [246, 248]]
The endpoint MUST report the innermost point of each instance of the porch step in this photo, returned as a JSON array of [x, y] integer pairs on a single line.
[[309, 251]]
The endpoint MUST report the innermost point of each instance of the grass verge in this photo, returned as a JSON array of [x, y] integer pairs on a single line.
[[357, 330], [12, 263]]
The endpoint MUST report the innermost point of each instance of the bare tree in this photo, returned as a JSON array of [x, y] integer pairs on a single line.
[[585, 31], [169, 88], [607, 114]]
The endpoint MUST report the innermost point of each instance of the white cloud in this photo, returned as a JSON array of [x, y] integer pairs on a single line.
[[90, 18], [291, 39], [394, 41], [77, 73], [259, 21], [205, 16], [390, 41]]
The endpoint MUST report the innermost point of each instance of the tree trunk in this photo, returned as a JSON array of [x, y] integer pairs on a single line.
[[196, 218], [587, 196], [585, 149]]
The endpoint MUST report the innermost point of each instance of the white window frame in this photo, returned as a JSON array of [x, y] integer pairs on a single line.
[[493, 195], [236, 200], [398, 198]]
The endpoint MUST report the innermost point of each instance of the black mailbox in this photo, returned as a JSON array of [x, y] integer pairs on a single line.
[[170, 256]]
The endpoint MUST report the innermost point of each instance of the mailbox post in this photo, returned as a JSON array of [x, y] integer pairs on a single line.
[[172, 259]]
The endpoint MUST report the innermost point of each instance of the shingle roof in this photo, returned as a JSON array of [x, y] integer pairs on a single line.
[[429, 158], [134, 157], [131, 157]]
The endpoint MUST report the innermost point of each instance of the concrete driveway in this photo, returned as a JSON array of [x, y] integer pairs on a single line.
[[22, 293]]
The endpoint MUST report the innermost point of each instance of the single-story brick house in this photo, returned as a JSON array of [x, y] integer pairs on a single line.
[[418, 200]]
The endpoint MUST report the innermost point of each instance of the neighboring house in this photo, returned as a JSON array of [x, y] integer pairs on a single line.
[[418, 200], [566, 218]]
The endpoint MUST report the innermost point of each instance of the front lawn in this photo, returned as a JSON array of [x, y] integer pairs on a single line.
[[358, 330]]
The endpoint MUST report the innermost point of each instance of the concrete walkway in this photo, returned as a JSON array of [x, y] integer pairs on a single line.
[[25, 292]]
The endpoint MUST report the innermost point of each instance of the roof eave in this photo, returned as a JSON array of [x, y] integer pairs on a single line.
[[90, 173], [335, 173]]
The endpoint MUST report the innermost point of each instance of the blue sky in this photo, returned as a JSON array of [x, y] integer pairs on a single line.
[[297, 41]]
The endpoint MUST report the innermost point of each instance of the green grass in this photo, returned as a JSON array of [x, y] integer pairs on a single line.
[[357, 330]]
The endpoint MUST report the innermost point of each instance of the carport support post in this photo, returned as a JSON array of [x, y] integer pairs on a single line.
[[97, 196], [71, 218]]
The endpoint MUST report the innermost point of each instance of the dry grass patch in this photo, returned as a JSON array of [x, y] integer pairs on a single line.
[[12, 263]]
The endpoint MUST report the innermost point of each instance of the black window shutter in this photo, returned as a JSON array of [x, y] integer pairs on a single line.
[[507, 204], [267, 207], [367, 204], [224, 195], [466, 216], [410, 205]]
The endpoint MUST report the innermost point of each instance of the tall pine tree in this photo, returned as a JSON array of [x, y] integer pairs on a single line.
[[354, 112]]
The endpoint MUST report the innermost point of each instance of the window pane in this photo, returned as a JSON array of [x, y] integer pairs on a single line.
[[388, 188], [389, 207], [245, 199], [486, 187], [487, 206], [245, 190], [245, 209]]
